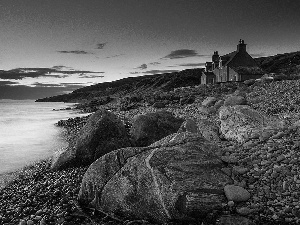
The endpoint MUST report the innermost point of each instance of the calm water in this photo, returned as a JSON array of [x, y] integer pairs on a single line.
[[28, 133]]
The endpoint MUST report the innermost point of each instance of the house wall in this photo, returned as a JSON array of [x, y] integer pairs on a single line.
[[208, 78]]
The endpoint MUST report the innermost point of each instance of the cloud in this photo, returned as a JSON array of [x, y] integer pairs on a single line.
[[192, 64], [181, 53], [159, 71], [77, 52], [114, 56], [101, 45], [142, 67], [134, 72], [155, 63], [38, 84], [90, 76], [55, 71], [3, 83]]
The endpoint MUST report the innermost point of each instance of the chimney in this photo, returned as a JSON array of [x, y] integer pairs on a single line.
[[241, 47], [215, 57]]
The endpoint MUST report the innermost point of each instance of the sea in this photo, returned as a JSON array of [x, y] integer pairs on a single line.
[[28, 132]]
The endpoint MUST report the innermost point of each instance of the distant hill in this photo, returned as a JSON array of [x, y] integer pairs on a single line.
[[287, 63], [132, 85]]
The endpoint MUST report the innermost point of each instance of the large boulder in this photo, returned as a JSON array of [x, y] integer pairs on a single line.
[[151, 127], [241, 122], [209, 101], [208, 130], [103, 133], [173, 179]]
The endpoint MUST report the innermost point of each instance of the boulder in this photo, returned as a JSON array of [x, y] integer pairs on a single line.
[[236, 193], [151, 127], [174, 179], [209, 101], [235, 100], [240, 122], [103, 133]]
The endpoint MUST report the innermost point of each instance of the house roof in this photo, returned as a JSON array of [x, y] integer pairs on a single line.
[[209, 73], [228, 57]]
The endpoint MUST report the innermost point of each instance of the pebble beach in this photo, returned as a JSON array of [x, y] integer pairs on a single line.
[[268, 166]]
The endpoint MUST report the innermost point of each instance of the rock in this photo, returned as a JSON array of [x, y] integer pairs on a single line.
[[249, 82], [187, 100], [235, 100], [234, 220], [103, 133], [209, 101], [22, 222], [244, 211], [236, 193], [151, 127], [240, 122], [206, 111], [208, 130], [219, 104], [188, 126], [30, 222], [177, 179], [159, 105]]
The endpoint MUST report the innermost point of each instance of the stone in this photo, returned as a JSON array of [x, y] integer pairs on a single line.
[[103, 133], [218, 104], [239, 170], [234, 220], [235, 100], [30, 222], [171, 179], [159, 105], [249, 82], [230, 203], [208, 130], [209, 101], [239, 122], [189, 125], [151, 127], [244, 211], [236, 193], [22, 222]]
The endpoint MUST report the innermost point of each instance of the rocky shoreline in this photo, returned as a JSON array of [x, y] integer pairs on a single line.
[[266, 165]]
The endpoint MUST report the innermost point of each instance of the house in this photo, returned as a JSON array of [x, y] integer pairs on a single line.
[[235, 66]]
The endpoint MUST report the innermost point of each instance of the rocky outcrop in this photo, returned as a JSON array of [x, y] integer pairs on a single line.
[[241, 123], [176, 178], [103, 133], [151, 127]]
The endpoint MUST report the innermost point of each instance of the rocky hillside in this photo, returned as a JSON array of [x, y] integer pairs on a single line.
[[287, 63], [131, 85]]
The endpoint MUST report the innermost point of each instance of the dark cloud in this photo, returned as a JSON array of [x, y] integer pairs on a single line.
[[101, 45], [155, 63], [90, 76], [159, 71], [181, 53], [77, 52], [114, 56], [192, 64], [55, 71], [142, 67], [38, 84], [134, 72], [3, 83]]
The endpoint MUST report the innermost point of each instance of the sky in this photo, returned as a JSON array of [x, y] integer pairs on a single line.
[[51, 47]]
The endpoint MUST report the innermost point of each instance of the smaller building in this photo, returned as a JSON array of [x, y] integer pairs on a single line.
[[235, 66]]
